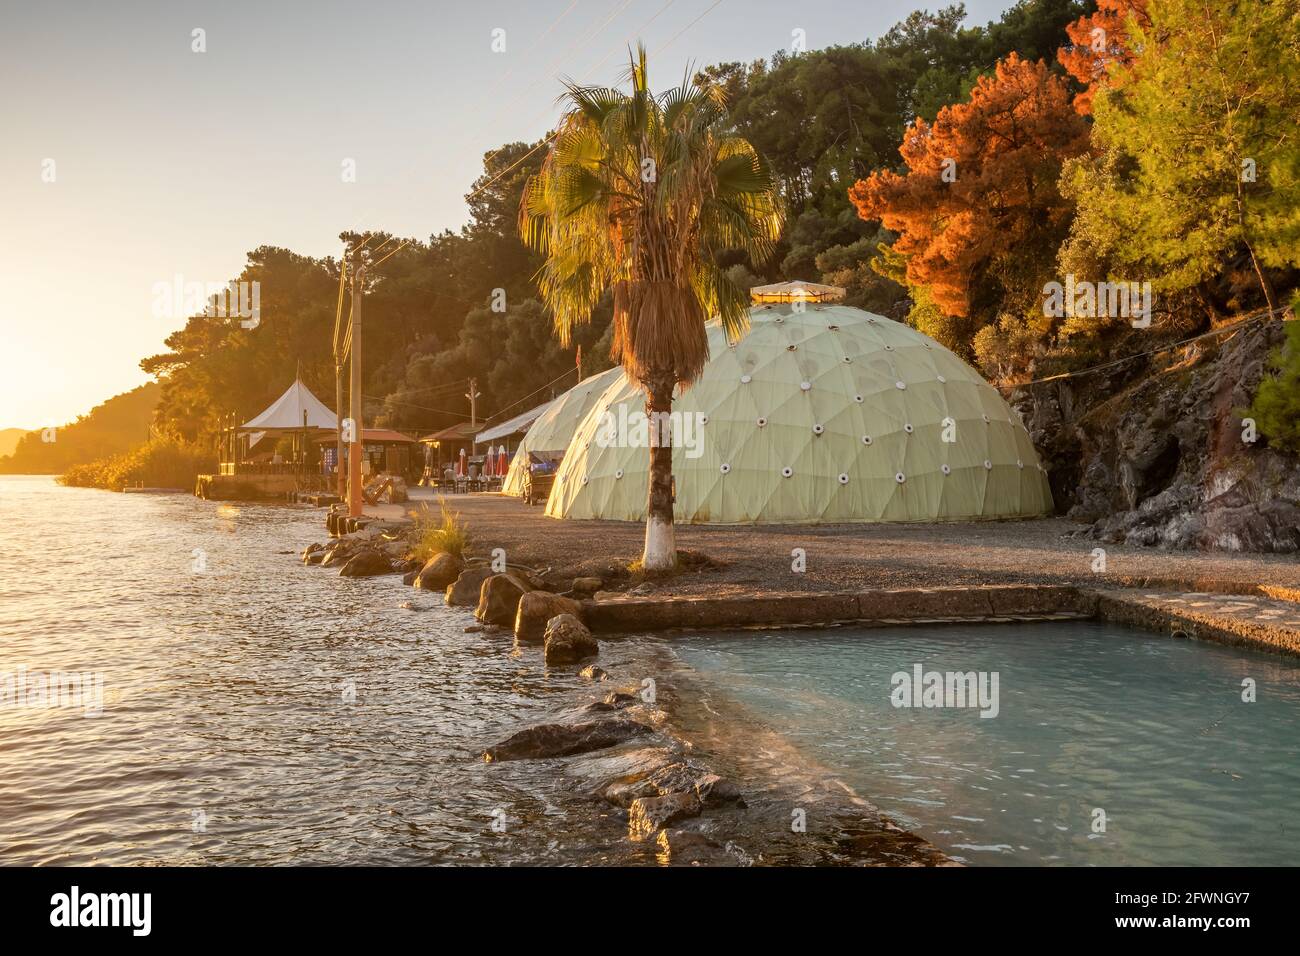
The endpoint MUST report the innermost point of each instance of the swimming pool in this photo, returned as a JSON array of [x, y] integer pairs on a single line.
[[1078, 743]]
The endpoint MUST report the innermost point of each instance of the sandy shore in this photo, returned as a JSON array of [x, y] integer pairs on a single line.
[[854, 556]]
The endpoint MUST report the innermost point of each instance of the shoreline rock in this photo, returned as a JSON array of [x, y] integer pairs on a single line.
[[464, 591], [498, 601], [543, 741], [365, 564], [439, 572], [535, 612], [567, 641]]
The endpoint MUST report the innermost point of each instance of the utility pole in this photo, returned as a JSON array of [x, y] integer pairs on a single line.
[[355, 448], [472, 395], [338, 407], [338, 427]]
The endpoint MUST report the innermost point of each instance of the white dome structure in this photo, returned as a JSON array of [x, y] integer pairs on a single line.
[[554, 428], [821, 413]]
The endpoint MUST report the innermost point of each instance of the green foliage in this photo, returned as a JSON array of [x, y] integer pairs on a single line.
[[952, 332], [639, 194], [446, 534], [1276, 406], [1005, 350], [827, 118], [116, 426], [1211, 100], [158, 463]]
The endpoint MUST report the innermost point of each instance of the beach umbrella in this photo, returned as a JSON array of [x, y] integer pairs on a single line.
[[461, 469], [503, 462], [489, 462]]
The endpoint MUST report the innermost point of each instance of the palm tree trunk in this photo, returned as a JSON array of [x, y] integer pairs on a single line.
[[660, 552]]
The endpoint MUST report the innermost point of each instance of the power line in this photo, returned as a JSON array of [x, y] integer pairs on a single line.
[[528, 396], [687, 27], [391, 401], [545, 33], [591, 69], [551, 136], [338, 312], [1253, 317]]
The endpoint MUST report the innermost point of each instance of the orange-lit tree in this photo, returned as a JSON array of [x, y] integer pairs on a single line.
[[978, 211], [1100, 41]]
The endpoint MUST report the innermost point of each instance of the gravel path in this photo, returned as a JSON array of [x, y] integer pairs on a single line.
[[850, 556]]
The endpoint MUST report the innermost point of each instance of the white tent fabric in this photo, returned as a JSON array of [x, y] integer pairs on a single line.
[[821, 413], [285, 413], [554, 429], [517, 424]]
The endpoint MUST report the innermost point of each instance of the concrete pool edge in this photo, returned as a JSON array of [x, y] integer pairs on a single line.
[[1263, 622]]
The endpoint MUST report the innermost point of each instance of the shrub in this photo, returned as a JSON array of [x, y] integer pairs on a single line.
[[1276, 407], [158, 463], [445, 534]]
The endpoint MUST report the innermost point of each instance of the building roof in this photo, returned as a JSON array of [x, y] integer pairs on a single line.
[[286, 412], [463, 431], [371, 435], [516, 425], [796, 290]]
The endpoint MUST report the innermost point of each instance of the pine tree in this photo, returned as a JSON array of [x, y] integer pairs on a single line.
[[1202, 146]]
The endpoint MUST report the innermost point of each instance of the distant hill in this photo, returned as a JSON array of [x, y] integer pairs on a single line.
[[9, 440], [118, 425]]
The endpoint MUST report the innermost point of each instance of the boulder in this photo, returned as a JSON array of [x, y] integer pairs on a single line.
[[568, 641], [366, 564], [714, 790], [587, 585], [594, 773], [648, 815], [439, 571], [498, 599], [536, 608], [465, 590], [675, 778], [409, 577], [687, 846], [313, 553], [338, 553], [563, 740], [593, 672]]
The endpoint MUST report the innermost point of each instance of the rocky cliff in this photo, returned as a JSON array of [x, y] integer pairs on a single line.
[[1155, 451]]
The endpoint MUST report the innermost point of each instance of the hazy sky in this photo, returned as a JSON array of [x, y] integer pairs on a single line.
[[170, 162]]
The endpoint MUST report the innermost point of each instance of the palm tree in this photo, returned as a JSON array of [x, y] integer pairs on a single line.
[[638, 195]]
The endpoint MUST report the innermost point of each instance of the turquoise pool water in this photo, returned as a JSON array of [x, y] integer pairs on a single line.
[[1109, 746]]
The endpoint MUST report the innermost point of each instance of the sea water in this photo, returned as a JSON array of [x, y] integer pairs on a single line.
[[1107, 746]]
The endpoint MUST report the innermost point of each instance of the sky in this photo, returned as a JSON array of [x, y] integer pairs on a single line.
[[128, 158]]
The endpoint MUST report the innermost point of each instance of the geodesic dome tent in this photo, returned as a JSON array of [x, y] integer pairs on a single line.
[[553, 430], [821, 413]]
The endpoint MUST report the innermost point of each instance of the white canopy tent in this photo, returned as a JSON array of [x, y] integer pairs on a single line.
[[297, 413], [286, 412]]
